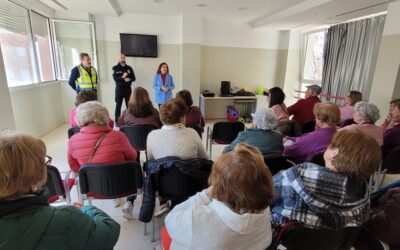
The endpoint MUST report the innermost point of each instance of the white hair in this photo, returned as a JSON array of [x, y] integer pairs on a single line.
[[368, 111], [92, 112], [265, 119]]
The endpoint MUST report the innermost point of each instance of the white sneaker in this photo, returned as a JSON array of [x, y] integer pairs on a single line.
[[128, 211], [116, 202]]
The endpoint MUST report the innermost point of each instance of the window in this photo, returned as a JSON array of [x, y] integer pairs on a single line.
[[41, 38], [72, 38], [25, 45], [312, 58]]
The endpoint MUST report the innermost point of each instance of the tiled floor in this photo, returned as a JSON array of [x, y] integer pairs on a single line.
[[131, 236]]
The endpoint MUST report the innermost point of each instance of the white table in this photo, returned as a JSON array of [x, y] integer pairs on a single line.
[[215, 107]]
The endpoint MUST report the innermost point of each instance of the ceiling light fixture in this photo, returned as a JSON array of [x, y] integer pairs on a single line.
[[158, 1], [201, 5], [242, 8]]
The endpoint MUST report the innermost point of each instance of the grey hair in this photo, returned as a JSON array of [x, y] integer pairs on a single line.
[[92, 113], [265, 119], [368, 111]]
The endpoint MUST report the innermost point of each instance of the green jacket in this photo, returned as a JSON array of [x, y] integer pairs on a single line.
[[31, 223], [267, 141]]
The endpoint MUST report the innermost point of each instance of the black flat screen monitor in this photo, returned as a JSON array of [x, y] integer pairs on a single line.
[[138, 45]]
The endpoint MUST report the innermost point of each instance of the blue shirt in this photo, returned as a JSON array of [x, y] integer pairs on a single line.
[[162, 96]]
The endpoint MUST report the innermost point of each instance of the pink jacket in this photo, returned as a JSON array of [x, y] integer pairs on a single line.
[[346, 112], [370, 129], [114, 148], [74, 123], [281, 112]]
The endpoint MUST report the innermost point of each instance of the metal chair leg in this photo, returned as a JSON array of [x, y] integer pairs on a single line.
[[153, 229], [145, 229]]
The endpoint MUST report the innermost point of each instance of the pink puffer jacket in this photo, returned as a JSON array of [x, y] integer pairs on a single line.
[[114, 148]]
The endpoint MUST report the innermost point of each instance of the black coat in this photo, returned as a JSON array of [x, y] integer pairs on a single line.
[[174, 179]]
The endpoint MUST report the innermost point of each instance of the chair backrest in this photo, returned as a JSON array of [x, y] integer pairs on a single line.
[[276, 163], [196, 128], [289, 128], [392, 162], [137, 135], [72, 131], [317, 158], [345, 123], [308, 126], [297, 237], [110, 181], [175, 183], [226, 132], [54, 182]]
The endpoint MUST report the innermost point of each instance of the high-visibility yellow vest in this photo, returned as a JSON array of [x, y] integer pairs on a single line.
[[85, 82]]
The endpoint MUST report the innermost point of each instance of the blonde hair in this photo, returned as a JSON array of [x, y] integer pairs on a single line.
[[327, 112], [22, 164], [241, 180], [92, 113]]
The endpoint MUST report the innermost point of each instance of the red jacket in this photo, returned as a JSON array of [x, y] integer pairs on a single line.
[[302, 110], [194, 117], [114, 148]]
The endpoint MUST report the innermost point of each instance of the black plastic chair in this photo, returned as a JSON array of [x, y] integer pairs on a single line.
[[72, 131], [317, 158], [289, 128], [308, 126], [223, 133], [345, 123], [276, 163], [197, 129], [137, 135], [55, 184], [392, 161], [296, 237], [110, 181]]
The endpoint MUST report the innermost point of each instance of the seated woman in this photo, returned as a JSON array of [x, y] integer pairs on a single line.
[[140, 110], [233, 213], [194, 117], [174, 139], [365, 116], [347, 111], [112, 146], [383, 223], [276, 103], [261, 135], [388, 123], [299, 149], [82, 97], [391, 137], [27, 221], [331, 196]]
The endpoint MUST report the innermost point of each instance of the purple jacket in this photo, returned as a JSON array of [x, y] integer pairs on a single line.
[[309, 144], [391, 139]]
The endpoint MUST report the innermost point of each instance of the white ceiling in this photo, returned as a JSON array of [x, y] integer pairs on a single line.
[[279, 14]]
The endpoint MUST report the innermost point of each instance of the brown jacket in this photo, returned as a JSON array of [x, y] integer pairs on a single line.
[[127, 118]]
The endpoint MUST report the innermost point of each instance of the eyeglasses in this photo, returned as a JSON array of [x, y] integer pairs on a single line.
[[47, 160]]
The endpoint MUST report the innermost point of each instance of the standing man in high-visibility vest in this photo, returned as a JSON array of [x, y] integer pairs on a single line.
[[83, 76]]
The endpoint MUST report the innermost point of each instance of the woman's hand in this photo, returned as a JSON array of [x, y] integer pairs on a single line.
[[77, 205]]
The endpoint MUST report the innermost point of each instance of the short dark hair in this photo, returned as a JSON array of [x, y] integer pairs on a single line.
[[85, 96], [159, 67], [172, 111], [83, 55], [395, 101], [276, 96], [355, 96], [185, 96]]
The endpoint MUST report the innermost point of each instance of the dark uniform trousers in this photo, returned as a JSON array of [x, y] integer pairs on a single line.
[[121, 93]]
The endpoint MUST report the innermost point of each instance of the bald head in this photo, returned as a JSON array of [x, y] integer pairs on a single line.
[[121, 59]]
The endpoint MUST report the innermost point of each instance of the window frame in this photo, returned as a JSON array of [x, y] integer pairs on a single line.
[[304, 43], [54, 37], [31, 41]]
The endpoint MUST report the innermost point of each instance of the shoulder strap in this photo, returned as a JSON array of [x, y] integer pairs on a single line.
[[97, 146]]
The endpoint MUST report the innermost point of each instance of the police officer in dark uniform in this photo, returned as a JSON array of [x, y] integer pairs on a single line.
[[123, 76]]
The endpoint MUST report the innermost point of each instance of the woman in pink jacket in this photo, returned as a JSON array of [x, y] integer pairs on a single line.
[[114, 146]]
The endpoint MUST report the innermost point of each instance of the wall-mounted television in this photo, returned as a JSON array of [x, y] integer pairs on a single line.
[[138, 45]]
